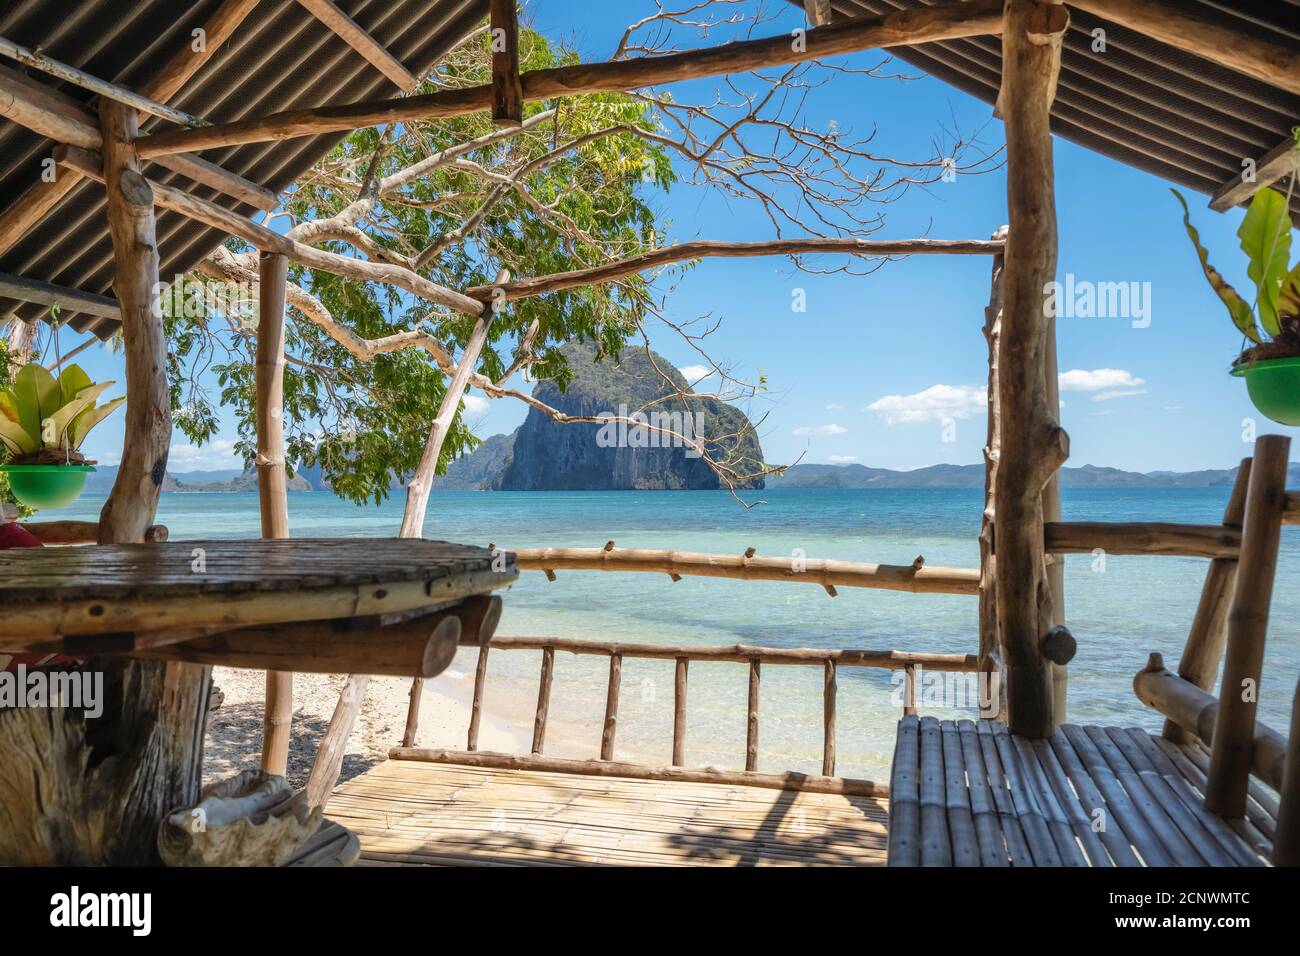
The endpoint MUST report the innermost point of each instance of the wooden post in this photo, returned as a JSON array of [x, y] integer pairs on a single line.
[[272, 490], [1234, 731], [333, 746], [679, 712], [92, 792], [1032, 443], [988, 609], [1286, 841], [611, 707], [1052, 512], [543, 698], [507, 91], [1204, 648], [828, 719], [476, 707], [909, 691], [751, 724]]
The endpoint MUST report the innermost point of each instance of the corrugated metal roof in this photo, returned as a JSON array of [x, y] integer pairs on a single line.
[[279, 58], [1145, 103]]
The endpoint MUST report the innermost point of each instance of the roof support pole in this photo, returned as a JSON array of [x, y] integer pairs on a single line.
[[1033, 444], [507, 93], [272, 491]]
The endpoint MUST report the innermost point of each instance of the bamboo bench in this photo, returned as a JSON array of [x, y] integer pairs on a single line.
[[1201, 793]]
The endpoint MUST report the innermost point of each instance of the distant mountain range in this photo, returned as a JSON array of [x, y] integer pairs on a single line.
[[972, 476], [228, 480]]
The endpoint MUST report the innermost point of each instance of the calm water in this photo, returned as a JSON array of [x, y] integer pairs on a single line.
[[1119, 614]]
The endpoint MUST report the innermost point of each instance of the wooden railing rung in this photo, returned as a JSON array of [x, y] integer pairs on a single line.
[[751, 735], [679, 713], [611, 707], [1142, 537], [543, 698], [1291, 513], [828, 718], [909, 691], [476, 708]]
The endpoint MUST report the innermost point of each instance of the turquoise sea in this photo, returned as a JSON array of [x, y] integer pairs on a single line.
[[1119, 614]]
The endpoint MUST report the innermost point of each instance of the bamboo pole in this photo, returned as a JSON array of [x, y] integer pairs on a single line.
[[1227, 782], [988, 611], [611, 707], [947, 21], [1286, 840], [1033, 444], [679, 711], [823, 573], [272, 482], [909, 691], [789, 780], [1200, 661], [828, 718], [751, 723], [543, 698], [1142, 537], [745, 653]]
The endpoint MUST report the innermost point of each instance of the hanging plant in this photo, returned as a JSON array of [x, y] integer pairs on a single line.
[[43, 421], [1270, 361]]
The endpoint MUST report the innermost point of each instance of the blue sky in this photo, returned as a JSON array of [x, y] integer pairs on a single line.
[[907, 338]]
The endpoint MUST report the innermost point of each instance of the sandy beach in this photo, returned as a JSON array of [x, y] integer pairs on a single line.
[[234, 737]]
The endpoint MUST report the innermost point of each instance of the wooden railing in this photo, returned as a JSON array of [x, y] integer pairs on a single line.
[[829, 660]]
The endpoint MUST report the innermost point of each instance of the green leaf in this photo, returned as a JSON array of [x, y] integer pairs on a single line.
[[73, 380], [15, 437], [1243, 317], [88, 419], [37, 396], [84, 400], [1288, 297], [1266, 238]]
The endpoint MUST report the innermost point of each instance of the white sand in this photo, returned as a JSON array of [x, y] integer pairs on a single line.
[[234, 738]]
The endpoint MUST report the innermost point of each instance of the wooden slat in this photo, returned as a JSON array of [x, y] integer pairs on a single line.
[[936, 843], [1030, 815], [1120, 805], [1012, 832], [1041, 792], [1093, 804], [904, 796], [1277, 163], [961, 821], [992, 844], [1068, 801], [367, 46]]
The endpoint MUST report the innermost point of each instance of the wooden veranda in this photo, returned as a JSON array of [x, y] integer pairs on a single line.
[[118, 165]]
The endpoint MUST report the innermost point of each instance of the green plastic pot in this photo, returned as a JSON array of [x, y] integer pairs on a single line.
[[1274, 387], [46, 486]]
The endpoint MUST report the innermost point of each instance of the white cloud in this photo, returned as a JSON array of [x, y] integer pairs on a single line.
[[933, 404], [694, 373], [833, 407], [216, 454], [1099, 379], [1118, 393], [820, 430], [841, 459], [476, 404]]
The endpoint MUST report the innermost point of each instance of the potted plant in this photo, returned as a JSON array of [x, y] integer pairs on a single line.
[[1270, 361], [43, 421]]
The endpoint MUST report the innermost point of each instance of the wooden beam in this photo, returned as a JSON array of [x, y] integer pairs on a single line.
[[1187, 28], [507, 91], [130, 508], [1279, 162], [1033, 444], [82, 532], [70, 74], [32, 206], [362, 42], [1197, 712], [790, 780], [818, 12], [416, 647], [222, 180], [1142, 537], [1234, 730], [823, 573], [272, 482], [46, 293], [268, 240], [948, 21], [713, 248]]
